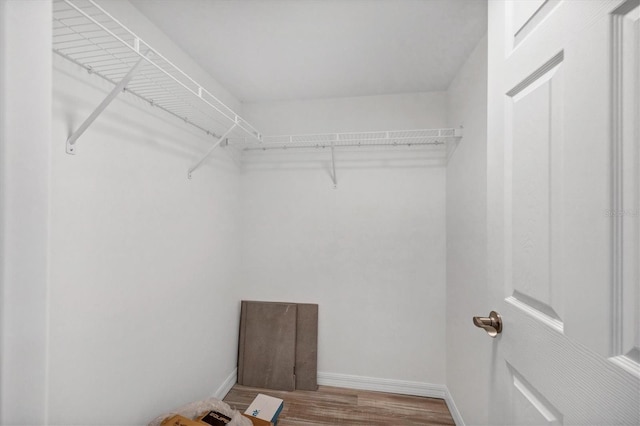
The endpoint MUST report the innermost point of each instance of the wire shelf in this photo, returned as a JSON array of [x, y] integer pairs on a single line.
[[87, 35], [421, 137]]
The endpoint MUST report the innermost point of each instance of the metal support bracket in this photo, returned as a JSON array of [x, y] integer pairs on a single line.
[[215, 145], [451, 147], [71, 141], [334, 178]]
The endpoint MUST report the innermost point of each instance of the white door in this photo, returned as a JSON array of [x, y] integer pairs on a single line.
[[563, 180]]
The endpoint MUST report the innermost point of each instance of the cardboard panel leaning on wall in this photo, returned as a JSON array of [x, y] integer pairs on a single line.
[[144, 300]]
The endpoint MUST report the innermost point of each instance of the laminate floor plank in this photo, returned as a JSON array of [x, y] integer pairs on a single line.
[[349, 407]]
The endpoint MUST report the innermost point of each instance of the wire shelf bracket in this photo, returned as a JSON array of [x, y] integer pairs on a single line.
[[334, 178], [210, 151], [71, 141], [90, 37]]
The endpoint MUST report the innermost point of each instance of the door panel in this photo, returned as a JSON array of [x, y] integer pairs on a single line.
[[582, 387], [533, 188], [525, 16], [587, 172], [530, 406], [563, 235], [522, 11], [626, 195]]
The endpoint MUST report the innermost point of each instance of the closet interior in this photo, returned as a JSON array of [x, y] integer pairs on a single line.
[[175, 200]]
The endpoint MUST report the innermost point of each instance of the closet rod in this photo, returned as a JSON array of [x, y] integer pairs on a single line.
[[265, 147], [389, 138], [448, 137]]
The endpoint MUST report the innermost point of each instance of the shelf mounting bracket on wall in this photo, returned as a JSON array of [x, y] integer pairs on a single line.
[[71, 141], [334, 178], [208, 153]]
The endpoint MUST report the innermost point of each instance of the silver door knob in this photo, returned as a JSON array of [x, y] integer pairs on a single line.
[[491, 324]]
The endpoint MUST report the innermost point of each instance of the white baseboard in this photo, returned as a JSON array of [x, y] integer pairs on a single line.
[[226, 386], [457, 417], [382, 385]]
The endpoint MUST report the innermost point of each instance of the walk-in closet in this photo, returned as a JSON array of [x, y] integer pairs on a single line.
[[451, 188]]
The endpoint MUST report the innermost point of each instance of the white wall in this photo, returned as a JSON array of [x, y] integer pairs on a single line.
[[144, 264], [365, 113], [468, 347], [143, 301], [25, 165], [371, 253]]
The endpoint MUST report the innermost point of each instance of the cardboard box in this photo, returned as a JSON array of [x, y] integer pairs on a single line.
[[265, 408], [178, 420], [258, 422]]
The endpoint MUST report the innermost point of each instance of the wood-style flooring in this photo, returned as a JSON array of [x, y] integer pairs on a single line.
[[340, 406]]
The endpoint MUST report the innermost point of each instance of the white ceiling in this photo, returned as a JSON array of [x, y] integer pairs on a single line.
[[264, 50]]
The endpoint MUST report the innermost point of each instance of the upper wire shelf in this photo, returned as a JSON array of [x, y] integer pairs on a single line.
[[87, 35], [447, 138], [419, 137]]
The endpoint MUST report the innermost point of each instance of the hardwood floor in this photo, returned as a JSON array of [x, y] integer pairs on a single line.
[[340, 406]]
